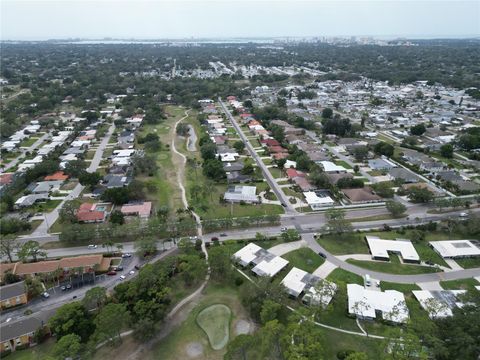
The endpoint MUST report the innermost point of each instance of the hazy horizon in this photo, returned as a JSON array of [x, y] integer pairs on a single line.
[[37, 20]]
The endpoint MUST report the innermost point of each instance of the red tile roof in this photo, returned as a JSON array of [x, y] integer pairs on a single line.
[[291, 173], [277, 149], [6, 178], [59, 175], [270, 142]]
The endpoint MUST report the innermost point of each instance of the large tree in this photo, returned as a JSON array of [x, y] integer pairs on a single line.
[[395, 208], [31, 249], [336, 221], [71, 318], [110, 321]]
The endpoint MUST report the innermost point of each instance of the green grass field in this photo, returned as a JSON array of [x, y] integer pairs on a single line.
[[305, 259], [385, 285], [468, 263], [392, 268], [462, 284], [215, 321], [351, 243]]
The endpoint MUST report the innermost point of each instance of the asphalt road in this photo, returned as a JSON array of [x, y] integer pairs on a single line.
[[266, 173], [58, 299]]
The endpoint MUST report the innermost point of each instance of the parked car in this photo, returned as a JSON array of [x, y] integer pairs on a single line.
[[91, 246], [122, 277], [214, 238], [223, 234], [74, 296], [463, 215], [138, 266], [63, 288], [118, 268], [283, 229], [46, 295], [131, 272], [111, 273], [284, 205], [69, 286], [126, 255], [322, 255]]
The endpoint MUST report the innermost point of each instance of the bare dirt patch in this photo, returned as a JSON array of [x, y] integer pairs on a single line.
[[194, 349], [243, 327]]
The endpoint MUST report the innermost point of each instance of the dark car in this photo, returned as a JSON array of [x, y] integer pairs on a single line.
[[118, 268], [284, 205], [322, 255], [223, 234], [111, 273], [214, 238], [137, 267], [74, 296], [63, 288]]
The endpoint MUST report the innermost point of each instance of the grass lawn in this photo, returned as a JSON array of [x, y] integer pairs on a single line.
[[392, 268], [305, 259], [468, 263], [462, 284], [340, 275], [28, 142], [351, 243], [276, 172], [291, 192], [385, 285], [376, 173], [343, 163], [215, 321], [47, 206]]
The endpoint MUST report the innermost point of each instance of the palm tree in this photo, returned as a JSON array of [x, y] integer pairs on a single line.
[[119, 247]]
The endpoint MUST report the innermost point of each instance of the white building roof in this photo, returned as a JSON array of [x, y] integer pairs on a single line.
[[329, 166], [290, 164], [270, 267], [455, 248], [380, 248], [36, 160], [447, 300], [363, 303], [293, 281], [247, 254], [241, 192], [313, 199], [124, 153]]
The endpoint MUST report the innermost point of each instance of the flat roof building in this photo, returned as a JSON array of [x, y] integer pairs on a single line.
[[247, 254], [317, 202], [451, 249], [380, 249], [365, 303], [438, 303], [266, 263], [270, 266], [240, 193]]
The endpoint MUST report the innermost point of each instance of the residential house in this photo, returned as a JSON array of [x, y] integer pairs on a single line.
[[241, 193], [361, 195], [13, 295], [381, 164], [141, 209], [29, 200], [20, 333], [91, 213], [404, 175], [57, 176]]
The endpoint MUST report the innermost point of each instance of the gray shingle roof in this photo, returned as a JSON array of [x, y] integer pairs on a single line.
[[12, 290]]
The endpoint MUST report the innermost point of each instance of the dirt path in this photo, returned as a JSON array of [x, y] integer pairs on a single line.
[[175, 317]]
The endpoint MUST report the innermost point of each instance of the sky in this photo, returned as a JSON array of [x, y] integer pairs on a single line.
[[142, 19]]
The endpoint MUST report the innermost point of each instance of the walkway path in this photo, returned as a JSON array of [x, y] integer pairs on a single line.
[[175, 317], [325, 269], [282, 249]]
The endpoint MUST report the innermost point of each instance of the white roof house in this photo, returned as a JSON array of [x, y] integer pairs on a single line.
[[270, 266], [36, 160], [290, 164], [124, 153], [317, 202], [247, 254], [456, 248], [364, 303], [298, 281], [438, 303], [239, 193], [380, 248], [329, 166]]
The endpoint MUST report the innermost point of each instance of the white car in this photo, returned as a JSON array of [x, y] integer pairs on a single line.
[[463, 215], [122, 277], [91, 246], [46, 295], [131, 272], [283, 229]]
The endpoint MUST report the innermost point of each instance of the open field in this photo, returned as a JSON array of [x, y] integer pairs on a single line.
[[469, 263], [392, 268], [463, 284], [305, 259]]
